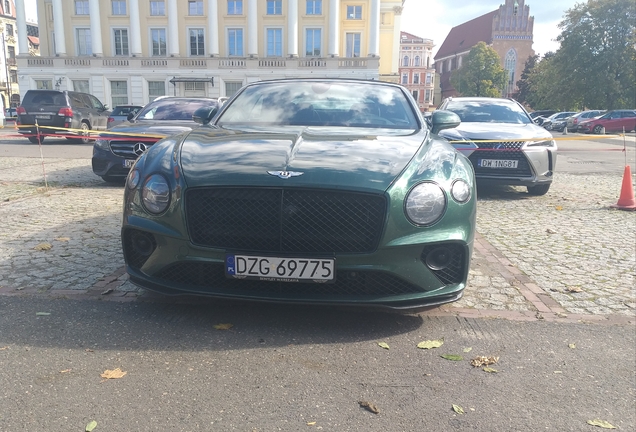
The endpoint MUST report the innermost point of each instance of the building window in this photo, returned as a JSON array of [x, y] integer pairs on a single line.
[[416, 95], [405, 61], [354, 12], [405, 78], [416, 78], [14, 76], [232, 87], [353, 44], [428, 95], [429, 78], [119, 92], [235, 7], [195, 7], [9, 28], [119, 7], [157, 8], [417, 61], [81, 86], [313, 40], [43, 84], [121, 42], [11, 51], [197, 46], [194, 86], [156, 89], [81, 7], [158, 38], [510, 64], [7, 7], [235, 42], [274, 42], [274, 7], [84, 43], [314, 7]]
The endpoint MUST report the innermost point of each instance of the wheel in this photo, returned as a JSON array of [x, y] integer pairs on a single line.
[[34, 139], [84, 128], [598, 129], [538, 190]]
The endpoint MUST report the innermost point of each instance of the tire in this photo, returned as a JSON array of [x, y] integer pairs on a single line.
[[84, 133], [598, 129], [34, 139], [539, 190]]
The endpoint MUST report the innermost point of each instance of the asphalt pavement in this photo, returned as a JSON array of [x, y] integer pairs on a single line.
[[551, 294]]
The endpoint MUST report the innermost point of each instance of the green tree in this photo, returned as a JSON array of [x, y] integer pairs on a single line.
[[481, 74], [523, 85]]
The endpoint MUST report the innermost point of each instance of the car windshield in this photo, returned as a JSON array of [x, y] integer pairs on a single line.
[[124, 110], [166, 109], [488, 112], [321, 103]]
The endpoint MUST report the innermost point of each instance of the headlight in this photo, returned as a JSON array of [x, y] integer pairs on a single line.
[[548, 143], [133, 179], [156, 194], [102, 143], [425, 204], [460, 191]]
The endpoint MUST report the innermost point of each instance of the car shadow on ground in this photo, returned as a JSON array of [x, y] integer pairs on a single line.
[[501, 192]]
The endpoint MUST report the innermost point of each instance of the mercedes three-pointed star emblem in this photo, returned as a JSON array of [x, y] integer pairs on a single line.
[[285, 174], [139, 148]]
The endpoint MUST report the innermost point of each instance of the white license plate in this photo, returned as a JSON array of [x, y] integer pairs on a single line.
[[496, 163], [279, 269], [128, 163], [42, 116]]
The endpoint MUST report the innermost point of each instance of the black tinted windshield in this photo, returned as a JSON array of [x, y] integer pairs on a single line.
[[488, 111], [125, 110], [318, 103], [173, 109]]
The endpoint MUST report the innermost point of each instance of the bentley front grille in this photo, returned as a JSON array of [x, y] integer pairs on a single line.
[[285, 220]]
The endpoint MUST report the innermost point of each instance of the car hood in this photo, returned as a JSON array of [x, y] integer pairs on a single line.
[[489, 131], [325, 157], [155, 127]]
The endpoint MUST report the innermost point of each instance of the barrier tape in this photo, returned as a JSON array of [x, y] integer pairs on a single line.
[[90, 133]]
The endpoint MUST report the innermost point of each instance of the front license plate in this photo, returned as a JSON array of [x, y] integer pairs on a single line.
[[496, 163], [128, 163], [279, 269], [42, 116]]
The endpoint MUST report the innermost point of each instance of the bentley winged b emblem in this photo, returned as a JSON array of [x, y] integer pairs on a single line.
[[285, 174]]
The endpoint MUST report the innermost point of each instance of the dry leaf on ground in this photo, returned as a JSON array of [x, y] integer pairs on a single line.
[[469, 349], [550, 231], [4, 348], [91, 426], [65, 371], [483, 361], [42, 313], [311, 423], [453, 357], [431, 344], [601, 423], [458, 409], [225, 326], [574, 289], [490, 370], [63, 239], [383, 345], [572, 345], [369, 407], [43, 247], [113, 374]]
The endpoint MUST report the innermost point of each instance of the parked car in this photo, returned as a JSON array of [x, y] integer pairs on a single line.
[[317, 191], [611, 121], [514, 151], [573, 121], [121, 114], [67, 113], [115, 151], [11, 113], [539, 116], [557, 121]]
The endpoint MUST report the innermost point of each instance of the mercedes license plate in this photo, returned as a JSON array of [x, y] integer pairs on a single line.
[[128, 163], [43, 116], [279, 269], [497, 163]]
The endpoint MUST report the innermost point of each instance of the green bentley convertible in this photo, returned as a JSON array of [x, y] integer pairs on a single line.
[[314, 191]]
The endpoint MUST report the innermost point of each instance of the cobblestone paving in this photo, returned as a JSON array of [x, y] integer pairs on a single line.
[[567, 245]]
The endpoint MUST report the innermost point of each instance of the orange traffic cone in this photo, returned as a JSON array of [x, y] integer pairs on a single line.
[[626, 201]]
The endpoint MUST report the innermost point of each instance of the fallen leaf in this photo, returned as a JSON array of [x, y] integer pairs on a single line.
[[453, 357], [64, 255], [369, 407], [113, 374], [4, 348], [43, 247], [65, 371], [469, 349], [91, 426], [383, 345], [88, 350], [550, 231], [490, 370], [108, 291], [431, 344], [557, 372], [572, 346], [311, 423], [226, 326], [458, 409], [559, 207], [63, 239], [42, 313], [574, 289], [483, 361], [601, 423]]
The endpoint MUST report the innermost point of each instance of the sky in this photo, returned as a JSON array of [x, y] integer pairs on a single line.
[[434, 19]]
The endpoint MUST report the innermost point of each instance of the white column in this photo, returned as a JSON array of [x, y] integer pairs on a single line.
[[213, 28], [252, 28], [173, 28], [135, 28], [20, 16], [397, 22], [58, 28], [292, 28], [96, 28], [374, 34], [334, 30]]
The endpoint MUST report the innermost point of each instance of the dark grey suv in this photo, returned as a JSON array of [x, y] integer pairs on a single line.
[[61, 112]]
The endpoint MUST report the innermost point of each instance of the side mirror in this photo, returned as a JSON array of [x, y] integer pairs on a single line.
[[130, 116], [443, 119], [204, 115], [105, 107]]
